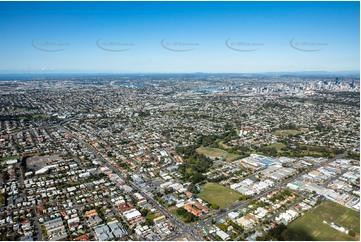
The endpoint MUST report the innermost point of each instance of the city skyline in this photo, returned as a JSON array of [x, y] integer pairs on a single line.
[[154, 37]]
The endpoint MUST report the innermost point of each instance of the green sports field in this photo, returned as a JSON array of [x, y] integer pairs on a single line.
[[207, 151], [218, 194], [278, 146], [286, 132], [311, 225]]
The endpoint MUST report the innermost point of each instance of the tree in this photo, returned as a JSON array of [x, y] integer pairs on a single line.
[[277, 231], [214, 206], [223, 227], [198, 177], [190, 217], [192, 188], [236, 226], [352, 233], [5, 175], [181, 211], [149, 222], [194, 164], [144, 212], [168, 190]]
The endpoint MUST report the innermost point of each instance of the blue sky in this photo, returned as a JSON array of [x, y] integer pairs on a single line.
[[126, 37]]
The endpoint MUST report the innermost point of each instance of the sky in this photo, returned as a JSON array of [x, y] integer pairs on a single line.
[[178, 37]]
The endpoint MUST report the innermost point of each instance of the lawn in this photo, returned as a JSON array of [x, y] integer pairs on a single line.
[[40, 116], [152, 216], [218, 194], [10, 158], [2, 200], [311, 226], [278, 146], [286, 132], [223, 145], [207, 151]]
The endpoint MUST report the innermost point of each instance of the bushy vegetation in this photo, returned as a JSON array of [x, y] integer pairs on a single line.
[[187, 216], [193, 165]]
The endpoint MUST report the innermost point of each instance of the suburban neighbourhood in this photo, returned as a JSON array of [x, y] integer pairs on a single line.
[[212, 157]]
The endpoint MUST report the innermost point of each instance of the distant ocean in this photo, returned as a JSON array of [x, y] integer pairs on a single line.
[[29, 76], [36, 76]]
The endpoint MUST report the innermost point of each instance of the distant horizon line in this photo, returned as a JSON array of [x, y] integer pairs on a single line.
[[174, 73]]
